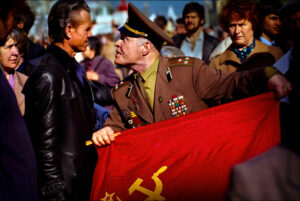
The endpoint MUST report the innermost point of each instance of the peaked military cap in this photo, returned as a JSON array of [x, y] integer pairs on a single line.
[[138, 25]]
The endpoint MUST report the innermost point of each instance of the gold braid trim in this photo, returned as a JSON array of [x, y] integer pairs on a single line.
[[135, 31]]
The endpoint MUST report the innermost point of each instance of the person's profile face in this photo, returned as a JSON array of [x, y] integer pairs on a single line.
[[272, 24], [79, 35], [127, 50]]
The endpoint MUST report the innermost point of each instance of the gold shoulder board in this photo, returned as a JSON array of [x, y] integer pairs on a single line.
[[120, 85], [181, 61]]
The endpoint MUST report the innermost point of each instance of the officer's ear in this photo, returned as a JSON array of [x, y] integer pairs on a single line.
[[146, 48]]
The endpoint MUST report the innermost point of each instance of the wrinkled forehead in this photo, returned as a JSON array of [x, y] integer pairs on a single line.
[[9, 42], [238, 21]]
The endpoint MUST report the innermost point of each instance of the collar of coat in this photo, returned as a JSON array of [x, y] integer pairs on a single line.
[[229, 55], [62, 56]]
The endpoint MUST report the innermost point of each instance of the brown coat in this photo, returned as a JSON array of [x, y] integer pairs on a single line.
[[199, 85], [261, 56], [19, 84]]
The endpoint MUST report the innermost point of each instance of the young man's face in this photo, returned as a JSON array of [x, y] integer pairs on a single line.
[[192, 22], [128, 52], [79, 35], [272, 25]]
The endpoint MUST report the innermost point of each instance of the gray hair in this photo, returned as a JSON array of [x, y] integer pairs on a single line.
[[142, 41]]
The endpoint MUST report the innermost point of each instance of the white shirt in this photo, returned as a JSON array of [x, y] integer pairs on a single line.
[[186, 47]]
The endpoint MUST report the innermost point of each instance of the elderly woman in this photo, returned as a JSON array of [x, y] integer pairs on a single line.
[[9, 59], [239, 19]]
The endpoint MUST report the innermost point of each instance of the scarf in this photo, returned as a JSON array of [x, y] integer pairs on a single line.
[[244, 53]]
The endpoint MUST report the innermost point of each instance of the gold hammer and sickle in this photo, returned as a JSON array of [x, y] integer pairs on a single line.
[[152, 195]]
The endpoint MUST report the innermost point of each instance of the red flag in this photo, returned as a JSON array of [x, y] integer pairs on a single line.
[[186, 158]]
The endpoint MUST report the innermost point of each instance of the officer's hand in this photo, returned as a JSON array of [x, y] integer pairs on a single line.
[[280, 85], [103, 136]]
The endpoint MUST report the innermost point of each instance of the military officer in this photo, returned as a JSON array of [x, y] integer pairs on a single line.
[[162, 88]]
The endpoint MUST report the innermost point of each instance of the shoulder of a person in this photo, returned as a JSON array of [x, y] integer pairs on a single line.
[[122, 85], [268, 158], [106, 60], [182, 61], [22, 77], [211, 38], [48, 70], [178, 36], [277, 51], [262, 47], [101, 58], [215, 61]]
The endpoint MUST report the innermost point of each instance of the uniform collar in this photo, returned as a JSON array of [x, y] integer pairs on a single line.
[[151, 69]]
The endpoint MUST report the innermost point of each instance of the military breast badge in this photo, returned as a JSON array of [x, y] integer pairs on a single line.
[[177, 106], [136, 120], [133, 120]]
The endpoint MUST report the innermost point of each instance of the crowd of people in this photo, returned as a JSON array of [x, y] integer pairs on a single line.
[[53, 101]]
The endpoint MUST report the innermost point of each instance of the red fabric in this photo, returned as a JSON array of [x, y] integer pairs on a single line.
[[198, 149]]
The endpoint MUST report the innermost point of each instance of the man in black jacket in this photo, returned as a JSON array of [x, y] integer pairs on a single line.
[[195, 43], [59, 107]]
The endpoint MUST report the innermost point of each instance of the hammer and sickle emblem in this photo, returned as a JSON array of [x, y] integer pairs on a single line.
[[152, 195]]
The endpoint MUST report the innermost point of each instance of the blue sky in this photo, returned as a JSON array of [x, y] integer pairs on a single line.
[[156, 6]]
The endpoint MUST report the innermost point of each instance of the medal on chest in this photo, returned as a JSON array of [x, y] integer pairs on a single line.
[[132, 119], [177, 106]]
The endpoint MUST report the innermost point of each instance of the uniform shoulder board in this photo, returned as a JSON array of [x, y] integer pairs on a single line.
[[120, 85], [181, 61]]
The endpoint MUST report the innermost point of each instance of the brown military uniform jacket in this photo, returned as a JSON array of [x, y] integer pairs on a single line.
[[183, 85]]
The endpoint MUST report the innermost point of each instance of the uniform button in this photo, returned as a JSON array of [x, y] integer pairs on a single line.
[[160, 99]]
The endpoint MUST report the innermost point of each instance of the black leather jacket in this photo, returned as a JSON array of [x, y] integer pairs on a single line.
[[60, 118]]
